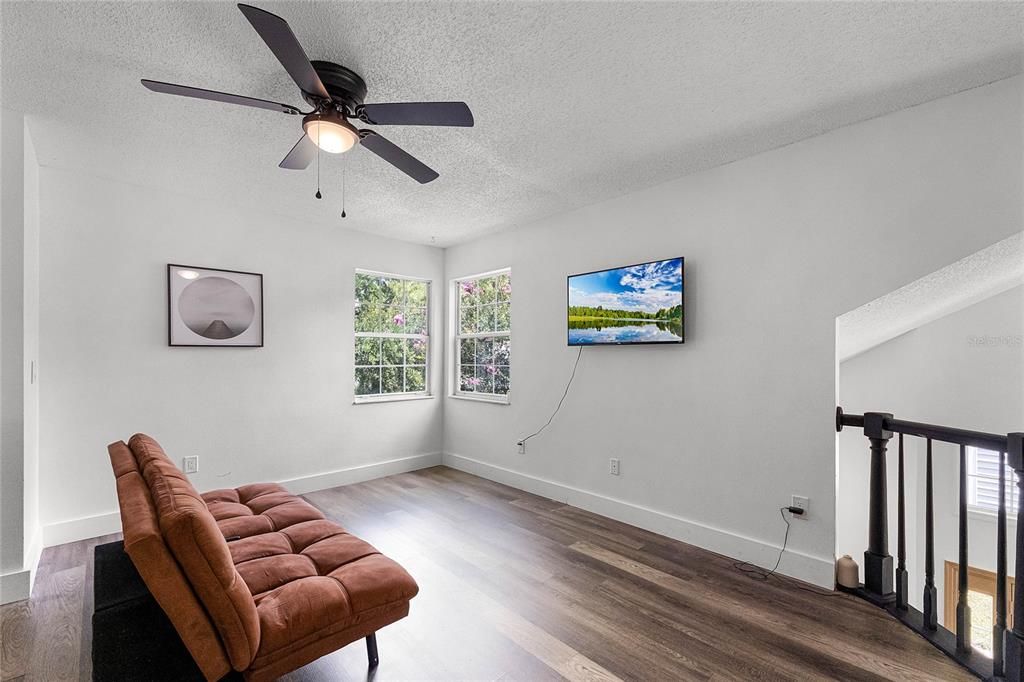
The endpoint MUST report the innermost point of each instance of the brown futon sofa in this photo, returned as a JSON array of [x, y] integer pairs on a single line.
[[254, 579]]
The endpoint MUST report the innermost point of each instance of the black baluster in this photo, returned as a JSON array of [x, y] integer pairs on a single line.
[[878, 569], [901, 541], [931, 615], [963, 611], [999, 628], [1013, 640]]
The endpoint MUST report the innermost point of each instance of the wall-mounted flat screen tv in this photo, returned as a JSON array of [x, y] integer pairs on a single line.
[[635, 304]]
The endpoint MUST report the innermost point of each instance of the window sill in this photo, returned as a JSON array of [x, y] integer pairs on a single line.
[[389, 399], [480, 399]]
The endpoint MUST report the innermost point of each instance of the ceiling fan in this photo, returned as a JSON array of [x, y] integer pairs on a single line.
[[336, 95]]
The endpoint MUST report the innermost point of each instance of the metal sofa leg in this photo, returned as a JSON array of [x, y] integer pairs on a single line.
[[371, 650]]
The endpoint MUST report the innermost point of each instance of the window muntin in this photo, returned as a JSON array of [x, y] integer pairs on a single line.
[[483, 336], [392, 343], [983, 482]]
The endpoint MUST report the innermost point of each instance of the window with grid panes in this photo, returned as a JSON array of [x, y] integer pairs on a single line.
[[391, 336], [483, 336]]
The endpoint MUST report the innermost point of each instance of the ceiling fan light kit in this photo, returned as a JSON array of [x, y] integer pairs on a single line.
[[331, 132], [336, 94]]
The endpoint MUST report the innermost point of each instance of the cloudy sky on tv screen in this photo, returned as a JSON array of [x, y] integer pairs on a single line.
[[635, 304]]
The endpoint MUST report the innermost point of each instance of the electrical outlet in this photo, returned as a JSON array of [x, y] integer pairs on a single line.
[[613, 466], [802, 503], [522, 447], [191, 464]]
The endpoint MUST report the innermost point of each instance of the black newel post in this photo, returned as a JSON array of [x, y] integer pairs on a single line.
[[1013, 642], [878, 568]]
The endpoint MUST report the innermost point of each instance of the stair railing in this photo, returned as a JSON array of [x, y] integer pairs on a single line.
[[886, 585]]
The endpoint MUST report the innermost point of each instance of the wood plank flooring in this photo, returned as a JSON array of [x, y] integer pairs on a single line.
[[519, 587]]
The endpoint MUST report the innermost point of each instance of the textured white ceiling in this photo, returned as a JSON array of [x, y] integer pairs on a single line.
[[574, 102], [988, 272]]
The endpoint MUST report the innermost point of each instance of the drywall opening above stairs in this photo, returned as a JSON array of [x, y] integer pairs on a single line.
[[981, 275]]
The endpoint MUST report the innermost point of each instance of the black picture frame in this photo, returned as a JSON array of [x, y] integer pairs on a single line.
[[255, 330], [682, 336]]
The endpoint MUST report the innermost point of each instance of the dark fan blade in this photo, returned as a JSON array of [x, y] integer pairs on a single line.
[[213, 95], [300, 156], [282, 42], [397, 157], [419, 114]]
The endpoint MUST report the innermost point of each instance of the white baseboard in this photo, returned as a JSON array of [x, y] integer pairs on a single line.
[[17, 585], [358, 474], [110, 522], [83, 528], [816, 570], [32, 554]]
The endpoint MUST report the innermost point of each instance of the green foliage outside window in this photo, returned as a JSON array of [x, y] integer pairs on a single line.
[[484, 328], [392, 343]]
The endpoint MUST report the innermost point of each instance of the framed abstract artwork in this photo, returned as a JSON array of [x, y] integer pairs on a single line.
[[212, 307]]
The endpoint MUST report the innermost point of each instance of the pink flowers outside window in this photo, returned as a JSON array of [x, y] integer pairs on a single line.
[[492, 370], [399, 319], [473, 381], [470, 287], [506, 288]]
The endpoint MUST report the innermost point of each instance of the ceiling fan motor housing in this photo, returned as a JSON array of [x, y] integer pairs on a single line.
[[345, 86]]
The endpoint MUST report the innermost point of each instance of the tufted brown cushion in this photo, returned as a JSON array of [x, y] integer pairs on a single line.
[[158, 568], [288, 588], [192, 534], [309, 577], [257, 508]]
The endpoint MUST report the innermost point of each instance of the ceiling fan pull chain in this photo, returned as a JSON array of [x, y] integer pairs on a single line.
[[344, 169], [318, 195]]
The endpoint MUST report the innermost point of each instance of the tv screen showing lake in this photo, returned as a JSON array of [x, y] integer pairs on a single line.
[[634, 304]]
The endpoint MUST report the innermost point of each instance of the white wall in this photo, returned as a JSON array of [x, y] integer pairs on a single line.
[[275, 413], [30, 372], [12, 249], [19, 405], [714, 436], [940, 374]]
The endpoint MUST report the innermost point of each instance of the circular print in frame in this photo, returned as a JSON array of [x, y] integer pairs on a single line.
[[216, 308]]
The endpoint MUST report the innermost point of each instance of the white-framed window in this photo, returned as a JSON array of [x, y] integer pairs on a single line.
[[983, 482], [483, 336], [392, 341]]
